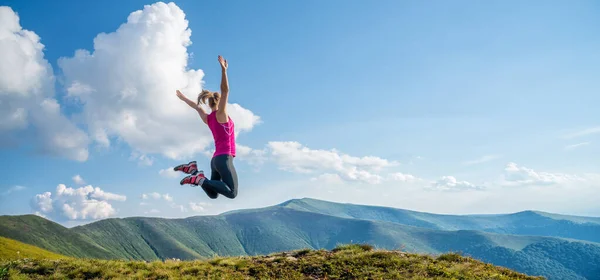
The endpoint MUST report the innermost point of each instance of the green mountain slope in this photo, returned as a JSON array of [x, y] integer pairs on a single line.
[[315, 224], [281, 228], [12, 250], [51, 236], [522, 223], [156, 238]]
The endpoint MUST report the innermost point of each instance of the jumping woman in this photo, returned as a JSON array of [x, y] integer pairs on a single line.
[[223, 178]]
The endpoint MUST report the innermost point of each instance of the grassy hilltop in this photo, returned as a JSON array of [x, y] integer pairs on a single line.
[[13, 250], [343, 262]]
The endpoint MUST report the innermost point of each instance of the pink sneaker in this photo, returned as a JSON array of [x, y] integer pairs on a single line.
[[196, 179], [189, 168]]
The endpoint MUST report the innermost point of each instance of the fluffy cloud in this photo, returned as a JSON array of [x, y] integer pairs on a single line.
[[78, 179], [157, 196], [179, 207], [24, 73], [401, 177], [154, 197], [38, 213], [445, 195], [292, 156], [127, 85], [327, 166], [43, 202], [168, 173], [520, 175], [255, 157], [76, 204], [198, 206], [142, 159], [97, 193], [27, 94], [449, 183]]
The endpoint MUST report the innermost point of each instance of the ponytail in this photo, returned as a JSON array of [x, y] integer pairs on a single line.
[[211, 97]]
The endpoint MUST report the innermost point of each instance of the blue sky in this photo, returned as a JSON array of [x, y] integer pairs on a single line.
[[450, 93]]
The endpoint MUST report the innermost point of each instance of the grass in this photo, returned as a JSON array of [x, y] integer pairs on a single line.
[[344, 262], [13, 250]]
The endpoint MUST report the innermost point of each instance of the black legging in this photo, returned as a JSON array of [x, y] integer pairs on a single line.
[[223, 178]]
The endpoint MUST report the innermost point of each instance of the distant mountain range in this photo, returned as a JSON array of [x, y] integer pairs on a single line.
[[535, 243]]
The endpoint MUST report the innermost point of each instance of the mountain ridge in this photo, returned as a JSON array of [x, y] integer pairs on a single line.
[[523, 212], [316, 224], [524, 222]]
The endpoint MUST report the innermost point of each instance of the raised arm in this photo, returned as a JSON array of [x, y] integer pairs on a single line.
[[193, 105], [222, 115]]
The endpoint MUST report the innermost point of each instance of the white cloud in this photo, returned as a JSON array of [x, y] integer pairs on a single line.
[[575, 146], [76, 204], [449, 183], [326, 166], [43, 202], [482, 159], [154, 195], [198, 206], [78, 89], [454, 196], [168, 173], [181, 208], [78, 180], [292, 156], [102, 195], [255, 157], [157, 196], [142, 159], [583, 132], [127, 85], [165, 200], [12, 190], [24, 69], [520, 175], [38, 213], [59, 135], [27, 94], [401, 177]]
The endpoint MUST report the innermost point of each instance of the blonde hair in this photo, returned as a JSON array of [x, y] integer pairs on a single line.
[[211, 97]]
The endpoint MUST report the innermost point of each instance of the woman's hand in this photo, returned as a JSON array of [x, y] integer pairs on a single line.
[[180, 95], [193, 105], [223, 63]]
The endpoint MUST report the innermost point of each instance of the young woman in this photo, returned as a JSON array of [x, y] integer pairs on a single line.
[[223, 178]]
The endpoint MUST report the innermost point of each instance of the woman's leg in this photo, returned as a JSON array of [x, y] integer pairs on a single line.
[[214, 176], [192, 169], [227, 185]]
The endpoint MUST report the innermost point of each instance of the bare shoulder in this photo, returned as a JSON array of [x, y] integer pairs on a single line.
[[222, 116]]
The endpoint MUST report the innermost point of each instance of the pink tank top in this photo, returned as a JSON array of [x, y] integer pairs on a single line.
[[223, 134]]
